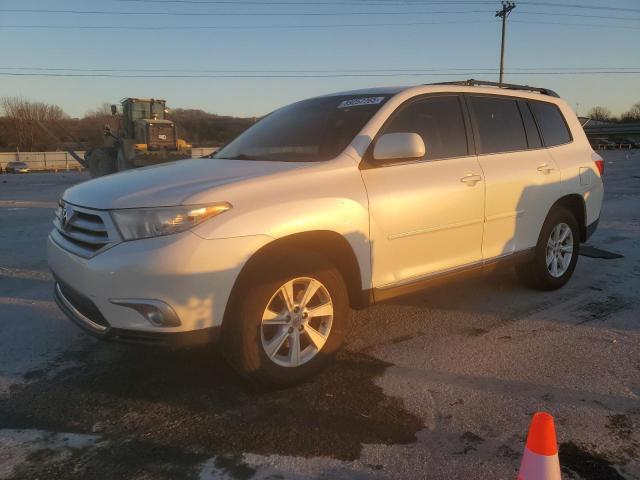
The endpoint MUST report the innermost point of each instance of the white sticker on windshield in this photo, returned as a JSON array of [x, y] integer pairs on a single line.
[[356, 102]]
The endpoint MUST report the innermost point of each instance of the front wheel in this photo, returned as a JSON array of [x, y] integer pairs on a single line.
[[556, 252], [290, 323]]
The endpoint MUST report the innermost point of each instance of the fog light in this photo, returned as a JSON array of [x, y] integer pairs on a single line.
[[157, 313]]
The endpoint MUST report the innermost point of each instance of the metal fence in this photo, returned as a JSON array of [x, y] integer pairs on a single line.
[[64, 161]]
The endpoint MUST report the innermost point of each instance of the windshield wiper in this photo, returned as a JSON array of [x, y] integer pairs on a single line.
[[243, 156]]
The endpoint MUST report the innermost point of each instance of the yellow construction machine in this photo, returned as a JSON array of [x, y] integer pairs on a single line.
[[143, 137]]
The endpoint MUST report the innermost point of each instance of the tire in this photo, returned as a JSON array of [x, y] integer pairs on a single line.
[[250, 343], [542, 274], [102, 161]]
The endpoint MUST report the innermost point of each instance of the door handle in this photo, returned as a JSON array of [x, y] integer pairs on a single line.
[[544, 168], [471, 179]]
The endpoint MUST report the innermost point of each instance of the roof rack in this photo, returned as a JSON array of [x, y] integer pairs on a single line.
[[473, 83]]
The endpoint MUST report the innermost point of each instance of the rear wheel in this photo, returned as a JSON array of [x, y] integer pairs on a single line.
[[289, 324], [556, 252]]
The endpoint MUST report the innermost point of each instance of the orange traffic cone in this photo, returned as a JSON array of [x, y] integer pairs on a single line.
[[540, 459]]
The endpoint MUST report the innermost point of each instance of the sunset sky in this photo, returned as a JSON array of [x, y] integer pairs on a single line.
[[273, 53]]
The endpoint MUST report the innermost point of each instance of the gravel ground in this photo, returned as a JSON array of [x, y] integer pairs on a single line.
[[439, 385]]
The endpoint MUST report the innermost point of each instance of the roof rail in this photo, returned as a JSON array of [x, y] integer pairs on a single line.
[[510, 86]]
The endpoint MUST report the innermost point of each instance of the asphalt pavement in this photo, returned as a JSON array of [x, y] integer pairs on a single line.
[[438, 385]]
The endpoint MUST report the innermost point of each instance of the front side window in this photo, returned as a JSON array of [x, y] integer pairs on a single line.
[[551, 122], [439, 121], [309, 131], [499, 124]]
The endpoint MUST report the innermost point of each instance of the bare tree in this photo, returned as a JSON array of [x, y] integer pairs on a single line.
[[103, 110], [600, 113], [24, 116], [633, 114]]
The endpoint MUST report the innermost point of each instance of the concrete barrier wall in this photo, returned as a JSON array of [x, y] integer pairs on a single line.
[[42, 160], [64, 161]]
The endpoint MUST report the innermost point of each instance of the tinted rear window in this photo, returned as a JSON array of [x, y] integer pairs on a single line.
[[551, 123], [499, 124], [440, 123]]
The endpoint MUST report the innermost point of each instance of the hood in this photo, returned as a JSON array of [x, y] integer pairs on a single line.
[[168, 184]]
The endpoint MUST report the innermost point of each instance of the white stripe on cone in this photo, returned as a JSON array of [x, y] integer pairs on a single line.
[[539, 467]]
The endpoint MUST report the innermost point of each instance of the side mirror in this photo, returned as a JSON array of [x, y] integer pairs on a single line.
[[397, 146], [114, 110]]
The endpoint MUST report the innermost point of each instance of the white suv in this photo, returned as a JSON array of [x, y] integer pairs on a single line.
[[329, 203]]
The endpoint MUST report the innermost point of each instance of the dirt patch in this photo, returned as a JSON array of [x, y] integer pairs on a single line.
[[475, 332], [602, 309], [620, 425], [505, 451], [126, 459], [159, 408], [470, 441], [589, 466]]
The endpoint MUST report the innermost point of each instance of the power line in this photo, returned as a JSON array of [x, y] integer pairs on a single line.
[[562, 14], [360, 70], [315, 3], [233, 27], [336, 75], [580, 6], [308, 26], [238, 14], [303, 14], [384, 3], [566, 24]]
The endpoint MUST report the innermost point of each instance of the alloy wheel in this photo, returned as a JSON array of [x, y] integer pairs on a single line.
[[559, 250], [296, 322]]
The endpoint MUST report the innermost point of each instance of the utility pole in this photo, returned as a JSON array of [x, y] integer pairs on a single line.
[[504, 13]]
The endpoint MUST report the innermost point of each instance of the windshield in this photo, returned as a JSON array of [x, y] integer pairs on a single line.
[[309, 131]]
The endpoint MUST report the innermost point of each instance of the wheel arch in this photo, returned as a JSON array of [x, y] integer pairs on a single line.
[[576, 205], [331, 245]]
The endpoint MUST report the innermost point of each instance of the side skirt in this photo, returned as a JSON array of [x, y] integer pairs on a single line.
[[382, 294]]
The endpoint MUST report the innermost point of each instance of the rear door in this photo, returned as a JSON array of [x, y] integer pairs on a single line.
[[426, 214], [522, 180]]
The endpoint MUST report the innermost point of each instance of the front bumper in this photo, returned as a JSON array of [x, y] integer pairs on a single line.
[[193, 275], [94, 324]]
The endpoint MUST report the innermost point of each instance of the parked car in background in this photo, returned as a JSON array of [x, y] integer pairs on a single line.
[[329, 203], [16, 167]]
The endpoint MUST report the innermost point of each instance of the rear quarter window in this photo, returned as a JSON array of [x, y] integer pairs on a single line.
[[533, 136], [551, 123]]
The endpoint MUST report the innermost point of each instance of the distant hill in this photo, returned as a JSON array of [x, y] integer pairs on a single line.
[[197, 127], [201, 128]]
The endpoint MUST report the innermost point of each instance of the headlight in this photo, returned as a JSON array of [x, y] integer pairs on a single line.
[[153, 222]]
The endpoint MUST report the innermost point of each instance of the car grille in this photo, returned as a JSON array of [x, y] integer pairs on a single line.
[[82, 231]]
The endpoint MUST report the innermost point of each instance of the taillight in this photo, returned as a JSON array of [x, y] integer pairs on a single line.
[[600, 165], [597, 159]]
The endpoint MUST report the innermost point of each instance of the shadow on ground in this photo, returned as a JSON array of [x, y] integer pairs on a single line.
[[163, 412]]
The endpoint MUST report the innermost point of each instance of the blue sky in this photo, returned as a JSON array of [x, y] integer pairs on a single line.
[[463, 40]]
